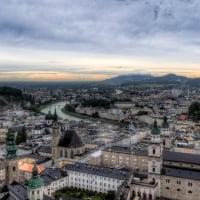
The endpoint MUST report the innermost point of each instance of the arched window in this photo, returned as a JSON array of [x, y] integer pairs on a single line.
[[61, 153], [66, 154]]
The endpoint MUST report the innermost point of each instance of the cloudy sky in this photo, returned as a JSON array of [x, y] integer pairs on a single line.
[[96, 39]]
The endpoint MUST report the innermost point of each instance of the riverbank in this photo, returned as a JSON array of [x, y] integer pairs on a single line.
[[85, 117], [64, 114], [58, 106]]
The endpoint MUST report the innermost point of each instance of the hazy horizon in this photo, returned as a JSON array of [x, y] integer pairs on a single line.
[[93, 40]]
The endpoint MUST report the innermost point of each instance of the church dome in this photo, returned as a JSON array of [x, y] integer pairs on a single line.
[[35, 181], [70, 139]]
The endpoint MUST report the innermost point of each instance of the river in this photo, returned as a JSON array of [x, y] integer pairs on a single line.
[[59, 106]]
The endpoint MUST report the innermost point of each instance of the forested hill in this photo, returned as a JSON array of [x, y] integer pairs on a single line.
[[9, 91], [9, 94]]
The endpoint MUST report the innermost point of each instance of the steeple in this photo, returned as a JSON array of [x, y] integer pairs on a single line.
[[155, 154], [155, 130], [11, 163], [11, 147], [166, 134], [165, 123], [55, 137], [55, 117], [35, 182], [35, 185]]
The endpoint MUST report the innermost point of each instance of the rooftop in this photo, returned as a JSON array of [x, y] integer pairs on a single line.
[[44, 149], [99, 171], [127, 149], [182, 173], [52, 174], [181, 157], [70, 139]]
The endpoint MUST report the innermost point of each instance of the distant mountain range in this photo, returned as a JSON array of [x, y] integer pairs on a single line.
[[149, 79]]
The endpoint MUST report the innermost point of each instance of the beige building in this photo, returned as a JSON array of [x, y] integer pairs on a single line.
[[163, 173], [180, 176], [116, 156]]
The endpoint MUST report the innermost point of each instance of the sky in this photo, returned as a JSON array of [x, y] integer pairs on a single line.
[[87, 40]]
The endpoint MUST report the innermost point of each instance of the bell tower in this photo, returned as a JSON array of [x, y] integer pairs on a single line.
[[166, 134], [155, 157], [35, 186], [12, 173], [55, 137]]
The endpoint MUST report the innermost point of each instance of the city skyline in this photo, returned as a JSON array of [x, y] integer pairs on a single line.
[[96, 40]]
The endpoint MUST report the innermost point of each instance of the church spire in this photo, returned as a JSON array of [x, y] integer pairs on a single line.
[[55, 116], [35, 184], [155, 130], [165, 123], [11, 147]]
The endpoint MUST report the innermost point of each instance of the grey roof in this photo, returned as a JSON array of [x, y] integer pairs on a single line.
[[39, 159], [70, 139], [44, 149], [99, 171], [128, 149], [182, 173], [19, 190], [181, 157], [52, 174]]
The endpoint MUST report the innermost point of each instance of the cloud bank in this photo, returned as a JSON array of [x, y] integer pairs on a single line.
[[157, 31]]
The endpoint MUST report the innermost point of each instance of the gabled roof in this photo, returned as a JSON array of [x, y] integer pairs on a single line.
[[70, 139]]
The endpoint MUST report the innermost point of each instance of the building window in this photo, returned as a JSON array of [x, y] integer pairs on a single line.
[[14, 168], [61, 153], [190, 192], [66, 154], [154, 151], [164, 142], [32, 192], [178, 190], [153, 169], [190, 184], [178, 182], [167, 188]]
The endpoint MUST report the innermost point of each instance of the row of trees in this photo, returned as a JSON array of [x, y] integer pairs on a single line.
[[194, 111], [21, 136]]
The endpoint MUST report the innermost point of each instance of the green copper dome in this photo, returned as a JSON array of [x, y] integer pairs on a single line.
[[35, 182], [155, 130], [11, 147], [165, 123]]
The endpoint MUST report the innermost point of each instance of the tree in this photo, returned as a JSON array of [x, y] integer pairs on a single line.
[[21, 136], [110, 195], [194, 111]]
